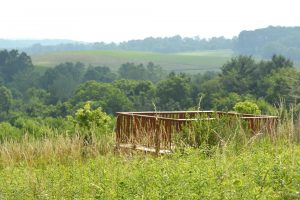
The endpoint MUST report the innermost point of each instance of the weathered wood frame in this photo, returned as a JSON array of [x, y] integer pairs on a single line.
[[153, 131]]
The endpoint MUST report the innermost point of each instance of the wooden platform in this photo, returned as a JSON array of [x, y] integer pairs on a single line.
[[155, 132]]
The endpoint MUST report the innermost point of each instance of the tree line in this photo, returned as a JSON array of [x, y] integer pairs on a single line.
[[267, 41], [161, 44], [262, 42]]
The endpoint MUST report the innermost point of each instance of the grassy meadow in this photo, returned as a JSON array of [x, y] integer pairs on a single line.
[[63, 167], [179, 62], [261, 171]]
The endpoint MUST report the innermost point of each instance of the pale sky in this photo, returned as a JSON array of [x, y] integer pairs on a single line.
[[121, 20]]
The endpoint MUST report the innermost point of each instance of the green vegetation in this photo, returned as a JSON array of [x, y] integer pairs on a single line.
[[261, 43], [57, 130], [164, 45], [65, 167], [186, 62], [264, 173], [265, 42], [59, 91], [247, 107]]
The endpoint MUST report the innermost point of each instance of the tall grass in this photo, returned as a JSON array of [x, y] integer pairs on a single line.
[[220, 134], [61, 148], [231, 164], [215, 132], [224, 131]]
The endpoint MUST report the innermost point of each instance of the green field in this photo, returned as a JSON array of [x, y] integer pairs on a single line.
[[186, 62], [190, 62]]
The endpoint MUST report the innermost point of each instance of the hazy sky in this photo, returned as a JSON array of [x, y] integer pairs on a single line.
[[119, 20]]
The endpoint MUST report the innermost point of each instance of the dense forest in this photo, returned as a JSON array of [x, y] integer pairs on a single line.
[[262, 42], [31, 93]]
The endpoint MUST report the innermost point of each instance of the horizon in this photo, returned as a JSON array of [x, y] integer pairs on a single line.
[[118, 21], [118, 42]]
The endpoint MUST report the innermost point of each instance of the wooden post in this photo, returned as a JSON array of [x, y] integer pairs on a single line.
[[157, 138], [118, 131]]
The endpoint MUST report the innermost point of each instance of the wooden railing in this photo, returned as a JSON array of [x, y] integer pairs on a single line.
[[154, 130]]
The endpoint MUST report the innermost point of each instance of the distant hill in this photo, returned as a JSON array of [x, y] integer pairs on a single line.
[[173, 44], [268, 41], [262, 43], [20, 44]]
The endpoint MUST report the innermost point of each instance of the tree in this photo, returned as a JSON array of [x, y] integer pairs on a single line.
[[62, 81], [132, 71], [100, 74], [89, 119], [238, 75], [34, 102], [154, 72], [201, 88], [281, 84], [277, 62], [174, 92], [5, 99], [243, 75], [144, 95], [140, 93], [151, 72], [104, 95], [12, 63]]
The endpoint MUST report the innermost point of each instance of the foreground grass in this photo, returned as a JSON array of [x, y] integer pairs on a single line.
[[64, 168]]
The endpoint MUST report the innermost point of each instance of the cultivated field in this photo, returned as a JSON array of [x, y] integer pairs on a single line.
[[186, 62]]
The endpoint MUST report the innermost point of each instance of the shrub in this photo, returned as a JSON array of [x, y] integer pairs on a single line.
[[7, 131], [247, 107], [88, 119]]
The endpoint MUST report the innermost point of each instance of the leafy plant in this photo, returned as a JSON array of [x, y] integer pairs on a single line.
[[247, 107], [7, 132], [90, 119]]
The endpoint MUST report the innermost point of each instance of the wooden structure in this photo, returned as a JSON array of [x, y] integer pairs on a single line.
[[154, 131]]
